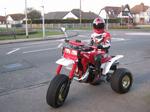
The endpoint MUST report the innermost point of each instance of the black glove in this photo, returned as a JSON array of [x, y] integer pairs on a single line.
[[100, 47], [91, 42]]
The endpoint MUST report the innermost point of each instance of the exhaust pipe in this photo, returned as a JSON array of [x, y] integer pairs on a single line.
[[83, 78]]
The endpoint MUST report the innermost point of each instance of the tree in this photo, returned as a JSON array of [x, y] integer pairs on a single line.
[[34, 14]]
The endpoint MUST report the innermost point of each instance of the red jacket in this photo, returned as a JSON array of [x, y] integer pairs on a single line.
[[101, 38]]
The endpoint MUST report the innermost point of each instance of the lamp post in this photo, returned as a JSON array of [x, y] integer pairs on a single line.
[[43, 20], [80, 14], [6, 20], [106, 21], [26, 18], [121, 15]]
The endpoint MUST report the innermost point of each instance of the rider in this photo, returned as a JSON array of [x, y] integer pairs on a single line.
[[101, 39]]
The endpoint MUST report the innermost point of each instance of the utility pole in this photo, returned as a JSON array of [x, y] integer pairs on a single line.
[[6, 20], [80, 14], [121, 14], [106, 21], [43, 20], [26, 18]]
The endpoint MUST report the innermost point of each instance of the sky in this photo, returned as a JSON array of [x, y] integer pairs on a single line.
[[18, 6]]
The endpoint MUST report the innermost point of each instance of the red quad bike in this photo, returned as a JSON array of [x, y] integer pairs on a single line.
[[78, 58]]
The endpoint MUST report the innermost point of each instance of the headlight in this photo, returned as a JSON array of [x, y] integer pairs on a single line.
[[67, 51], [74, 52]]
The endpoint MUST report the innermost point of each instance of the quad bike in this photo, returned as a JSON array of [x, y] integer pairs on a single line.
[[78, 58]]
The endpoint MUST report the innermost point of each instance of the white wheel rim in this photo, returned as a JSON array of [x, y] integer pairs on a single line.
[[126, 81]]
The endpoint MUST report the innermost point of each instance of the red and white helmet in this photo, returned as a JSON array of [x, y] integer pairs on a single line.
[[98, 23]]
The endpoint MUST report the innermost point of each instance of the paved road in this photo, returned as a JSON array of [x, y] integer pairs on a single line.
[[27, 68]]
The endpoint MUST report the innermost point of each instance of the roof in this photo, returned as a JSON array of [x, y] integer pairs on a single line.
[[76, 12], [139, 8], [2, 18], [112, 12], [17, 17], [89, 15], [56, 15], [85, 15]]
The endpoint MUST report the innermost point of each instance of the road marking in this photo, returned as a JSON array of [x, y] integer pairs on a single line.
[[118, 39], [39, 50], [10, 52], [113, 40], [82, 36], [138, 33], [29, 45]]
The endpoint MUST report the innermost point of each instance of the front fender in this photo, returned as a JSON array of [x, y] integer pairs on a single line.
[[65, 62], [106, 66]]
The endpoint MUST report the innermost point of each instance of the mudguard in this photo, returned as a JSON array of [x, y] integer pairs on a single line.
[[65, 62], [106, 66]]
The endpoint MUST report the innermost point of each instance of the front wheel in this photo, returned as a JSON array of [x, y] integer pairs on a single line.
[[121, 80], [58, 91]]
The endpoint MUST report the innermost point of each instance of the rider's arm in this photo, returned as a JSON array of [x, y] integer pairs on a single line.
[[106, 42], [94, 38]]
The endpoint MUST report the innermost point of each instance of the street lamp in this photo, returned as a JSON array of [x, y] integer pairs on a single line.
[[121, 15], [43, 20], [6, 19], [107, 21], [80, 14], [26, 18]]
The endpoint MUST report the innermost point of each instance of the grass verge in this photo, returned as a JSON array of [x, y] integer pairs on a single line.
[[38, 34]]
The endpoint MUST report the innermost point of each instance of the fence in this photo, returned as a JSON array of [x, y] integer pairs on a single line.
[[66, 25], [69, 25]]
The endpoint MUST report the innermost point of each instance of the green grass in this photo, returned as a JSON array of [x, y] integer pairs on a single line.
[[87, 28], [37, 34]]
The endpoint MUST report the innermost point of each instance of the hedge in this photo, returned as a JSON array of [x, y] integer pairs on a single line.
[[58, 21]]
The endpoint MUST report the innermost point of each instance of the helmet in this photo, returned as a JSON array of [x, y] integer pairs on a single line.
[[98, 23]]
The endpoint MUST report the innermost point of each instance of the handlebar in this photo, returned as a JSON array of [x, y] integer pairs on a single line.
[[78, 45]]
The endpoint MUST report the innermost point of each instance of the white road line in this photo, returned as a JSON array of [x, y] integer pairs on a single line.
[[139, 34], [39, 50], [113, 40], [118, 39], [33, 44], [10, 52], [82, 36]]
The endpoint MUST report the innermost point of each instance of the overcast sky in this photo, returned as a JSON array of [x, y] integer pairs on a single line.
[[18, 6]]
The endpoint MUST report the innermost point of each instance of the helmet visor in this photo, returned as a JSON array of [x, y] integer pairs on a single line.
[[99, 26]]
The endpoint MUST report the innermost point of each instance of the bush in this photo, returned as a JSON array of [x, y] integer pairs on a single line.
[[58, 21], [117, 20]]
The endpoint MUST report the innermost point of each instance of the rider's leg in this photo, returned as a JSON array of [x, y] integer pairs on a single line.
[[98, 62], [97, 68]]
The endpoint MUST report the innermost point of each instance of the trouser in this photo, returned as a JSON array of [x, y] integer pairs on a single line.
[[98, 62]]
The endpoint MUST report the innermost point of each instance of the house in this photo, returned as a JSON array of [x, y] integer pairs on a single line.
[[141, 13], [73, 14], [112, 12], [15, 19], [2, 20], [55, 15]]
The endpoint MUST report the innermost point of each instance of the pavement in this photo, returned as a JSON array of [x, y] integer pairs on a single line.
[[52, 37]]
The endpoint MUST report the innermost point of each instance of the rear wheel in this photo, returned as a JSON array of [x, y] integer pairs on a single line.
[[58, 91], [121, 80]]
